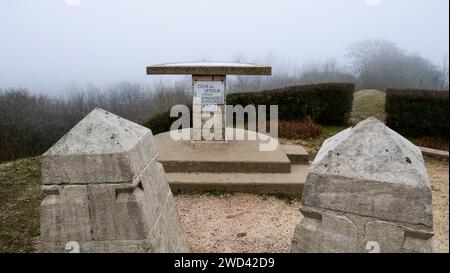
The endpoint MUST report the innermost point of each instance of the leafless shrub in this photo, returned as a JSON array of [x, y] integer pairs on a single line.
[[30, 124], [286, 73]]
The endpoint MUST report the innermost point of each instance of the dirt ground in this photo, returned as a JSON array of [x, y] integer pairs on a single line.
[[252, 223], [238, 222], [438, 173]]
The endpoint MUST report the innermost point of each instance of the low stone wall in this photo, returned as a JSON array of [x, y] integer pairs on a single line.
[[434, 153], [106, 192]]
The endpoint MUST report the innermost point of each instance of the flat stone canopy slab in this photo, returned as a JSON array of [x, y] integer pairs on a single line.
[[242, 156], [209, 68]]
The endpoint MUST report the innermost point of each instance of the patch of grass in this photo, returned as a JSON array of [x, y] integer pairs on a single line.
[[368, 103], [288, 199], [20, 197], [312, 145]]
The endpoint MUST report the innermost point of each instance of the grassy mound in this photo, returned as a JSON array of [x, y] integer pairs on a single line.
[[368, 103]]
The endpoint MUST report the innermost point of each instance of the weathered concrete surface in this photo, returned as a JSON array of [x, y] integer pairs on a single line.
[[102, 147], [367, 184], [434, 152], [206, 68], [236, 156], [296, 154], [100, 214], [236, 166], [288, 184]]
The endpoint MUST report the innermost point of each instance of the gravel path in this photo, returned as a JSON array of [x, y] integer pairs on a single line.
[[238, 223], [438, 173]]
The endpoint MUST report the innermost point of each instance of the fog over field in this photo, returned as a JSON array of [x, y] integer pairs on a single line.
[[48, 45]]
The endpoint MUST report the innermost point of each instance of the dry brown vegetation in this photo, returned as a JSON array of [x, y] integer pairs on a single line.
[[30, 124], [305, 129]]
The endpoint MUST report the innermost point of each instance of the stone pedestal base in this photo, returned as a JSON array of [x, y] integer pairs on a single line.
[[330, 232]]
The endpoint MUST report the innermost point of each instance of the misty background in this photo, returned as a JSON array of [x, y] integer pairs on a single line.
[[59, 59], [56, 46]]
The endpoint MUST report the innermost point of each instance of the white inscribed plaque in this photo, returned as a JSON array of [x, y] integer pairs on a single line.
[[210, 92]]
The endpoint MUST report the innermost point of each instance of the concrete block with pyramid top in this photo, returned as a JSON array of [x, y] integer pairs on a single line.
[[367, 190], [106, 192]]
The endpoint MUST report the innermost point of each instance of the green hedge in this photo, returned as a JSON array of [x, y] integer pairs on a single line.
[[326, 103], [416, 113], [161, 123]]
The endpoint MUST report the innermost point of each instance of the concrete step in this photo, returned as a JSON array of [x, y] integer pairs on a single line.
[[290, 184], [243, 156], [225, 166], [296, 154]]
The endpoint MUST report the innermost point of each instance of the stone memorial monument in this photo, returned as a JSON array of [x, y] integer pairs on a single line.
[[235, 165], [106, 192], [367, 191], [209, 93]]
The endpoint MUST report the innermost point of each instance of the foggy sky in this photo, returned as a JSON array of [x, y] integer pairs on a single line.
[[48, 44]]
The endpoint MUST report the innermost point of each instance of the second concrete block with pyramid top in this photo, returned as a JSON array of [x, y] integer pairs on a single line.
[[106, 192], [367, 190]]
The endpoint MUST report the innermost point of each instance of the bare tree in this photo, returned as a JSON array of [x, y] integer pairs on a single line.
[[380, 64], [30, 124], [327, 70], [444, 79], [287, 73]]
